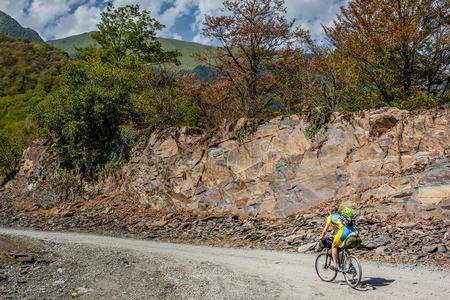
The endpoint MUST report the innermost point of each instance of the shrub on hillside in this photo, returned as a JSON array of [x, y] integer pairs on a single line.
[[419, 100], [28, 71], [163, 103], [9, 157], [82, 116]]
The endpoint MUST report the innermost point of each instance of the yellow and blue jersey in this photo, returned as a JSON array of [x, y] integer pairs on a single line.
[[343, 231]]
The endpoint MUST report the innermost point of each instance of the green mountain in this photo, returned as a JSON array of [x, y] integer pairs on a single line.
[[28, 70], [27, 65], [187, 49], [69, 44], [10, 27]]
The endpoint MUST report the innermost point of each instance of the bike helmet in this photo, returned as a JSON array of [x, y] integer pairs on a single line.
[[347, 212]]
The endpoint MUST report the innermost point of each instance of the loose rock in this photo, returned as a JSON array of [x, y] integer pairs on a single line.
[[307, 247]]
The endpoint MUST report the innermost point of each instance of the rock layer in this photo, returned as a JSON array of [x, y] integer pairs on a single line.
[[398, 158]]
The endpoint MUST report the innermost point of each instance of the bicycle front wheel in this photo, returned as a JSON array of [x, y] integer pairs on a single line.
[[323, 263], [352, 271]]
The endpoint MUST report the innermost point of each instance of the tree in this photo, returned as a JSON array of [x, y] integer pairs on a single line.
[[314, 84], [129, 31], [253, 35], [398, 48]]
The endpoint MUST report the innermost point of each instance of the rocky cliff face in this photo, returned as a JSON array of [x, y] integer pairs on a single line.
[[396, 160], [272, 188]]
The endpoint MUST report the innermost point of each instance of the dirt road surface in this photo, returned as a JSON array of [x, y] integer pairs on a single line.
[[120, 268]]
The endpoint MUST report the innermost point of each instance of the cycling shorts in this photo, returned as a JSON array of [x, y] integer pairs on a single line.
[[342, 235]]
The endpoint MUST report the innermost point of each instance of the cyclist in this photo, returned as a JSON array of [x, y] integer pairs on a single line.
[[345, 225]]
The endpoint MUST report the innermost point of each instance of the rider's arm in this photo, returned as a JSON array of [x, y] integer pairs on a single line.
[[324, 231]]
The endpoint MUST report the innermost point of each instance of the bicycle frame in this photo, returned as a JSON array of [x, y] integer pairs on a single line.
[[330, 255], [345, 254]]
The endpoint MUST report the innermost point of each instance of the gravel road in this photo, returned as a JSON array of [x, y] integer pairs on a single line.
[[100, 267]]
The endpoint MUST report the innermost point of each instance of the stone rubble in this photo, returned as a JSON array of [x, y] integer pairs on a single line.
[[424, 242]]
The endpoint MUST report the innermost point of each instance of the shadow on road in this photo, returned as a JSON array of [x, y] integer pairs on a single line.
[[372, 283]]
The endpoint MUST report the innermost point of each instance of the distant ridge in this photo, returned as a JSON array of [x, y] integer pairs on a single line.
[[10, 27], [187, 49]]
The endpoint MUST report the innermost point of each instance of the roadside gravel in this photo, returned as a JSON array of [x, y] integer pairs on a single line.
[[75, 270], [98, 267]]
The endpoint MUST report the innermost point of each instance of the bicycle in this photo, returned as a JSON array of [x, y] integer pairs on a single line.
[[349, 264]]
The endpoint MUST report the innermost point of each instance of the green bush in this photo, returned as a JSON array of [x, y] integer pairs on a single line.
[[161, 107], [420, 100], [9, 157], [27, 73], [82, 116], [119, 151], [190, 113]]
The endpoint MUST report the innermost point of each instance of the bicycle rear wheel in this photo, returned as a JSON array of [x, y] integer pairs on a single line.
[[322, 264], [352, 271]]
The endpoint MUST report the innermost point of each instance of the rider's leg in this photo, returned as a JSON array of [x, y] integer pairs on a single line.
[[334, 248], [334, 253]]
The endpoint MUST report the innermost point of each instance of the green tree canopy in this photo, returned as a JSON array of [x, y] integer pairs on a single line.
[[129, 31], [83, 115]]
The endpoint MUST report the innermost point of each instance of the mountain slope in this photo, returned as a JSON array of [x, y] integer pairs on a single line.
[[187, 49], [69, 44], [27, 72], [10, 27], [27, 65]]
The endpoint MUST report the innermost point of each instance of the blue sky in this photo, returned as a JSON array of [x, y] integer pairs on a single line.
[[183, 18]]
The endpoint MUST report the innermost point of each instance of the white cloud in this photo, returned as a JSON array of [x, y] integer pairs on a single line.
[[44, 15], [57, 18], [151, 5], [14, 8], [60, 18], [178, 8], [201, 39], [42, 12], [204, 7], [310, 14], [174, 35], [83, 19]]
